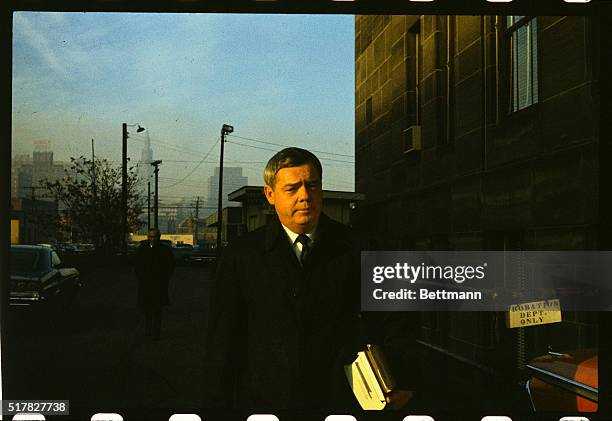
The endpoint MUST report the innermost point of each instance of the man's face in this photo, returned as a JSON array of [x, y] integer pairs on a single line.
[[153, 237], [297, 197]]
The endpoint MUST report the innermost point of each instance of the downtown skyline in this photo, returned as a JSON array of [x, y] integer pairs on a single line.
[[278, 79]]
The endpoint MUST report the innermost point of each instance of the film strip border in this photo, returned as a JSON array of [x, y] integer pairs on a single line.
[[452, 7]]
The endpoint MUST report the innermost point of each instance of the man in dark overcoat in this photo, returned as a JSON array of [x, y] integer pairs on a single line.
[[284, 311], [154, 265]]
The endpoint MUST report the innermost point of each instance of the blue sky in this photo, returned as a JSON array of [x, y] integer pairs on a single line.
[[286, 79]]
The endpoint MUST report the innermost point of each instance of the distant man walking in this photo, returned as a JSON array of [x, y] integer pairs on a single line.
[[154, 266]]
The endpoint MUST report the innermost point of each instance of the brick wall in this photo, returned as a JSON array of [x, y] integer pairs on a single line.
[[485, 178]]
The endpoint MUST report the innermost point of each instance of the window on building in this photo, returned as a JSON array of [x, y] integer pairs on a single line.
[[523, 35]]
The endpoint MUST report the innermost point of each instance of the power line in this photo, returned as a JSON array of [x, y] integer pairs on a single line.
[[213, 161], [186, 197], [274, 150], [190, 207], [197, 166], [279, 144], [170, 146], [329, 181], [193, 152], [204, 186]]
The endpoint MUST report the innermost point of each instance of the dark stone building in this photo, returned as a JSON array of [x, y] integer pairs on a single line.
[[481, 133], [231, 225]]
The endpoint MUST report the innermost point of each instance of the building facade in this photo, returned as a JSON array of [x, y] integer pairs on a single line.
[[481, 133], [33, 221], [232, 180], [231, 225], [28, 172]]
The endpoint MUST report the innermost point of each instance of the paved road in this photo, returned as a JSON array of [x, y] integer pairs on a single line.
[[96, 355]]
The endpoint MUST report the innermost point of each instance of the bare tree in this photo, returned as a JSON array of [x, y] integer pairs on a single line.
[[90, 202]]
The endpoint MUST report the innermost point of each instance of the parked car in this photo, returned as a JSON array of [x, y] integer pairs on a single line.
[[37, 277], [82, 248], [204, 252], [564, 382], [182, 252], [48, 245]]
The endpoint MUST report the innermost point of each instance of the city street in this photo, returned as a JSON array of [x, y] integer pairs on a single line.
[[95, 354]]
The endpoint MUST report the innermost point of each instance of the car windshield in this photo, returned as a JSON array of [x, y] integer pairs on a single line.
[[27, 260]]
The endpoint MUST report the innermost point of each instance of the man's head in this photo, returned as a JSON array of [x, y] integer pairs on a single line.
[[153, 236], [293, 185]]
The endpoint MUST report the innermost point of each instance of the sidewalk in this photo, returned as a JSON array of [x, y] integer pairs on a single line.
[[168, 373]]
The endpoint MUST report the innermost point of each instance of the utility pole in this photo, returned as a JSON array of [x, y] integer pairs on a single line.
[[124, 205], [149, 204], [197, 219], [225, 129], [94, 192], [93, 169], [156, 204], [124, 189]]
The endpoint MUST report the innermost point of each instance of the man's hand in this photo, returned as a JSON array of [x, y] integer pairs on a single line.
[[399, 398]]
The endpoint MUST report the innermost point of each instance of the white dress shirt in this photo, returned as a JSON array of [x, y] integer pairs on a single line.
[[296, 245]]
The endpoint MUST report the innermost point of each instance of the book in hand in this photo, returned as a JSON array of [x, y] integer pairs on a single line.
[[369, 378]]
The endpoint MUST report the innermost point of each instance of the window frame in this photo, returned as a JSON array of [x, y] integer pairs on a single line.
[[510, 31]]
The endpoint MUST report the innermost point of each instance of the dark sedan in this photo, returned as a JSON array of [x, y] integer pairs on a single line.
[[37, 277]]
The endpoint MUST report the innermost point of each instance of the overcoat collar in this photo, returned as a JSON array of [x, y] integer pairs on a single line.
[[285, 268], [276, 235]]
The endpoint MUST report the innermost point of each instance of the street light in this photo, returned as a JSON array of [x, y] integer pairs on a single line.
[[156, 203], [149, 203], [225, 129], [124, 205]]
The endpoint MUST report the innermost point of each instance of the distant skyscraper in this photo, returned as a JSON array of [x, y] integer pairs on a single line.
[[145, 174], [232, 180], [28, 172], [145, 169]]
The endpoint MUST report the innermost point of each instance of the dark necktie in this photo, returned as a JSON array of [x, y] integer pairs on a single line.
[[304, 240]]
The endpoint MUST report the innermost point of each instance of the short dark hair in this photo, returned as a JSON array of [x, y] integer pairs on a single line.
[[290, 157]]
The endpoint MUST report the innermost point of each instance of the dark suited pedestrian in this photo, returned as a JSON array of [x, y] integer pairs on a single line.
[[284, 307], [154, 265]]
